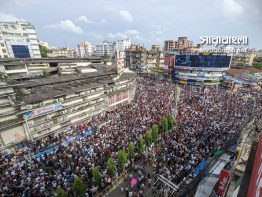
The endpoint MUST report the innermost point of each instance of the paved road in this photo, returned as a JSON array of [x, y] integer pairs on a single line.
[[116, 192]]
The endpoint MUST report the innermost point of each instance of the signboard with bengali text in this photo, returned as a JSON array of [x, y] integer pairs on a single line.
[[43, 110]]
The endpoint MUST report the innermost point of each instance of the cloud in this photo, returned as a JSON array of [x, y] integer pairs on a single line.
[[103, 20], [158, 32], [135, 34], [126, 15], [97, 36], [66, 25], [4, 17], [85, 20], [117, 35], [232, 8], [132, 32]]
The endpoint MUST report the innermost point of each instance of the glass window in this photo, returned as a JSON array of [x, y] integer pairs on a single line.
[[20, 51]]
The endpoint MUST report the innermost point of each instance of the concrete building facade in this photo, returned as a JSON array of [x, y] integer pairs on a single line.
[[105, 48], [37, 108], [62, 52], [18, 40], [84, 49]]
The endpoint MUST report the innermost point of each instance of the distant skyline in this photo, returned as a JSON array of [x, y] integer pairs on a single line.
[[69, 22]]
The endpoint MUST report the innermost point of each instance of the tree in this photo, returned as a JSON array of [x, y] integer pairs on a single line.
[[97, 177], [111, 167], [43, 51], [154, 133], [106, 57], [164, 124], [170, 121], [141, 147], [79, 187], [122, 159], [148, 138], [60, 192], [3, 77], [45, 73], [131, 150]]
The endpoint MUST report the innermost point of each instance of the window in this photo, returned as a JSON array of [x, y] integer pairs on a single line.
[[2, 45], [20, 51], [4, 50]]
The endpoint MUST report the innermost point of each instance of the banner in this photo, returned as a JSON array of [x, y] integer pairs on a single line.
[[222, 182], [199, 168], [43, 110]]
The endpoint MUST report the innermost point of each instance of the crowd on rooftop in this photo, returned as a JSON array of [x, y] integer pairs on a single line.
[[206, 118]]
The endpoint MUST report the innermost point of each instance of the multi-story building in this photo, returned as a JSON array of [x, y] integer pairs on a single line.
[[39, 107], [62, 52], [135, 57], [121, 46], [177, 45], [183, 43], [84, 49], [153, 56], [243, 58], [170, 45], [105, 48], [18, 40], [201, 68]]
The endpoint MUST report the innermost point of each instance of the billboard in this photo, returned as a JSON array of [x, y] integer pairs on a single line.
[[43, 110], [203, 62], [223, 179], [255, 185]]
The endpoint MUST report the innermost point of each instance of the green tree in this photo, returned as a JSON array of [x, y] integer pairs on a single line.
[[43, 51], [131, 150], [106, 57], [141, 146], [111, 167], [45, 73], [154, 133], [79, 187], [122, 159], [164, 124], [60, 192], [148, 138], [97, 177], [170, 121]]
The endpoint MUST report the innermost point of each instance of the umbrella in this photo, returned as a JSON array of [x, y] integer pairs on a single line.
[[133, 181]]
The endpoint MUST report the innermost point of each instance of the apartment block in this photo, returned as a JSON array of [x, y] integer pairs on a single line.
[[18, 40]]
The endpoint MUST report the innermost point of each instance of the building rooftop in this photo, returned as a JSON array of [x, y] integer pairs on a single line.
[[55, 86], [247, 73]]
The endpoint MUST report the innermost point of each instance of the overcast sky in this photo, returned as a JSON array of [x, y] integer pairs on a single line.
[[146, 22]]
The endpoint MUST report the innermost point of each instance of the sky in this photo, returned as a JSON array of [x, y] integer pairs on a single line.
[[69, 22]]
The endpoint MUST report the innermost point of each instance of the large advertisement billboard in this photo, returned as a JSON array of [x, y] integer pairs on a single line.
[[203, 62]]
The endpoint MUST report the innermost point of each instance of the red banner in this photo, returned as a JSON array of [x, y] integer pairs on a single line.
[[255, 185], [223, 179]]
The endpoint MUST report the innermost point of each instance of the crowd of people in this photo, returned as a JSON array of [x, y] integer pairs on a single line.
[[206, 118]]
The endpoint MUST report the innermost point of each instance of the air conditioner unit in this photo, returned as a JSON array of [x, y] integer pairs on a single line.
[[61, 99], [29, 106], [49, 117]]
